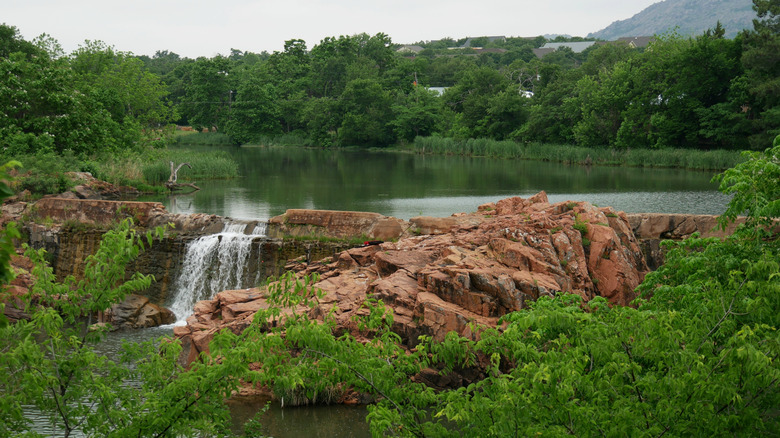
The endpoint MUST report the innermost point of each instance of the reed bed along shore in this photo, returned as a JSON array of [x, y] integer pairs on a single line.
[[679, 158], [214, 164], [47, 173]]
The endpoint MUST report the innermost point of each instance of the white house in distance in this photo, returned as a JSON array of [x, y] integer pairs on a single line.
[[410, 49]]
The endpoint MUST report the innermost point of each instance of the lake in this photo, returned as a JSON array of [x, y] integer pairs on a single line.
[[406, 185]]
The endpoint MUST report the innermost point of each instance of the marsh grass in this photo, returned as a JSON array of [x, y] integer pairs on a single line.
[[680, 158], [282, 140], [205, 165], [202, 139], [44, 174]]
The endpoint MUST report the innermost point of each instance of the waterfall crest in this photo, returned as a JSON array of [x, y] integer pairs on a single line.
[[215, 263]]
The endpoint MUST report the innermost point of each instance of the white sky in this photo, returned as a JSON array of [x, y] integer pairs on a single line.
[[195, 28]]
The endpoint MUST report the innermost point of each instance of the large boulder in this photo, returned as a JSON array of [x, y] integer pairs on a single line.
[[136, 311]]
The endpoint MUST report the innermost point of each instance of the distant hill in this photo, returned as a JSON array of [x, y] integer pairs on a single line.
[[692, 17]]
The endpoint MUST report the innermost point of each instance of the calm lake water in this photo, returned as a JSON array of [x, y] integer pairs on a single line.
[[406, 185]]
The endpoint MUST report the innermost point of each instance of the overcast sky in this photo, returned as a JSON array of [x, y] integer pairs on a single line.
[[195, 28]]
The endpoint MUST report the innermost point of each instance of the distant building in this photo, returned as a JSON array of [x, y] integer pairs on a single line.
[[576, 47], [637, 42], [540, 53], [438, 90], [481, 50], [412, 50], [491, 39]]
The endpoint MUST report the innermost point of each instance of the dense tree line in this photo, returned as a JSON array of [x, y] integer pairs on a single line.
[[96, 99], [703, 92]]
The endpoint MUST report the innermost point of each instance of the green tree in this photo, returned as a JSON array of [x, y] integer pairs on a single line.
[[471, 98], [289, 71], [255, 112], [418, 113], [366, 107], [323, 118], [45, 112], [11, 42], [762, 73], [48, 361], [209, 93], [554, 111], [134, 96]]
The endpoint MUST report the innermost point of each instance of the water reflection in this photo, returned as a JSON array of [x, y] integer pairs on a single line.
[[334, 421], [406, 185]]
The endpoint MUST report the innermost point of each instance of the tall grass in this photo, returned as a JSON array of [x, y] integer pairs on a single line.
[[202, 139], [290, 139], [205, 165], [680, 158], [46, 173]]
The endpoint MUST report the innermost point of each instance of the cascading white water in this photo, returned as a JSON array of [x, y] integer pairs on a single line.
[[212, 264]]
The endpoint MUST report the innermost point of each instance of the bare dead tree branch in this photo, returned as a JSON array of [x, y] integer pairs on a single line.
[[172, 183]]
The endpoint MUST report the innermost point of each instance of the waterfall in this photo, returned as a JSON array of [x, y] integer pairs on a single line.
[[215, 263]]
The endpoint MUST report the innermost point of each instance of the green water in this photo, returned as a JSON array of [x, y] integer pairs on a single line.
[[406, 185]]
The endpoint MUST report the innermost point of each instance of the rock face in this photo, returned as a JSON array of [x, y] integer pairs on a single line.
[[472, 269], [137, 312], [651, 228], [95, 211], [339, 224], [440, 273], [14, 304]]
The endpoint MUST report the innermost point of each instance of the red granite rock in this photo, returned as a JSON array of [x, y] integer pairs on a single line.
[[470, 270]]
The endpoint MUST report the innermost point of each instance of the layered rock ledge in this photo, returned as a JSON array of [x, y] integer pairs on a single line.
[[441, 275], [70, 229]]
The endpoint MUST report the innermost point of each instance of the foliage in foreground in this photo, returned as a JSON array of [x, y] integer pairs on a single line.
[[49, 365], [698, 355]]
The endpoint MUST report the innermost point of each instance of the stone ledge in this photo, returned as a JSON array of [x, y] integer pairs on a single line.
[[337, 224], [96, 212], [677, 226]]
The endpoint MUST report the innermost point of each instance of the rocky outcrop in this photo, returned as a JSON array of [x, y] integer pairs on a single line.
[[13, 294], [338, 224], [96, 211], [473, 269], [439, 274], [651, 229], [135, 312], [89, 187]]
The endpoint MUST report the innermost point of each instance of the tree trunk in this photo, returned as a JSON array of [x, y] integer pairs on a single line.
[[172, 185]]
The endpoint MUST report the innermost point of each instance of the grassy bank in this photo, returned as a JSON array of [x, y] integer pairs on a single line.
[[681, 158], [205, 165], [191, 138], [43, 174], [194, 138]]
